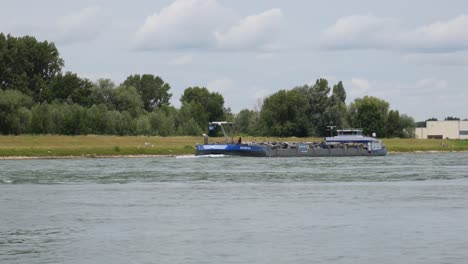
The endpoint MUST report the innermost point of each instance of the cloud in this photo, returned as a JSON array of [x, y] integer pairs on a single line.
[[448, 59], [256, 31], [206, 24], [84, 25], [80, 26], [220, 85], [181, 60], [183, 24], [359, 87], [432, 83], [359, 32], [371, 32], [421, 98], [450, 35]]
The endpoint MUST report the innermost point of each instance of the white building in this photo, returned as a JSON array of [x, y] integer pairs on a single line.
[[452, 129]]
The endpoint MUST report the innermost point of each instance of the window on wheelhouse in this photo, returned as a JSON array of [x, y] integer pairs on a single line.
[[349, 132]]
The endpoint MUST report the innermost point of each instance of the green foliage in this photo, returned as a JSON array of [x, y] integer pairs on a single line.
[[143, 126], [103, 92], [127, 98], [27, 65], [246, 121], [320, 108], [95, 119], [407, 127], [370, 114], [284, 114], [36, 97], [42, 120], [153, 90], [15, 117], [203, 106], [339, 93], [190, 128], [162, 121], [393, 124], [69, 88]]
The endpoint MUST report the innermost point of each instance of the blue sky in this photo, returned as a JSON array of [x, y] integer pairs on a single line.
[[413, 54]]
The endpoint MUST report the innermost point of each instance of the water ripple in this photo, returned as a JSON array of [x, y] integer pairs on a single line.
[[401, 167]]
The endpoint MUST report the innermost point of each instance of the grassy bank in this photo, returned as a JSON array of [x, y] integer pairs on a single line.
[[93, 146], [413, 145]]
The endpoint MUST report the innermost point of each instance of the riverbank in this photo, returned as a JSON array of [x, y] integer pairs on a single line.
[[93, 146]]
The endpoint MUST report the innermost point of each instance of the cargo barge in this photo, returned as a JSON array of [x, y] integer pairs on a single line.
[[347, 142]]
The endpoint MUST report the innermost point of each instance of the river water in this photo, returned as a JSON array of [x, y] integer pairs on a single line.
[[402, 208]]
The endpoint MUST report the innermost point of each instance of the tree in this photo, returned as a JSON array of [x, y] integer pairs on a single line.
[[205, 106], [246, 121], [69, 88], [27, 65], [336, 111], [370, 114], [42, 120], [128, 99], [143, 125], [407, 126], [103, 92], [339, 92], [13, 106], [95, 119], [393, 124], [153, 90], [192, 119], [163, 121], [451, 118], [284, 114], [324, 110]]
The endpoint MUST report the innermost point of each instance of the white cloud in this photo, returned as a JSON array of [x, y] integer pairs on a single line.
[[359, 32], [183, 24], [449, 59], [431, 83], [220, 85], [359, 87], [181, 60], [256, 31], [206, 24], [371, 32], [83, 25], [80, 26], [441, 36], [427, 86]]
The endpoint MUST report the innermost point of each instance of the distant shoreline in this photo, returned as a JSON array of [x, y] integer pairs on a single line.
[[26, 147], [87, 157]]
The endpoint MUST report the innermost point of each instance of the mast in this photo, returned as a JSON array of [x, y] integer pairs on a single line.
[[221, 123]]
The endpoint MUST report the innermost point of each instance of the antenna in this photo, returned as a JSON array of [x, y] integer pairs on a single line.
[[331, 130]]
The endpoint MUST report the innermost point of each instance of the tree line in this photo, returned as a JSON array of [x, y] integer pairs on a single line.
[[37, 97], [315, 110]]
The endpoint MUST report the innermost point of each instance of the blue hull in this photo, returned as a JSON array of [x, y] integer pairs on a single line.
[[268, 151], [232, 149]]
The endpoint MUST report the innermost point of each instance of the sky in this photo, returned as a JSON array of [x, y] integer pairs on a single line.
[[413, 54]]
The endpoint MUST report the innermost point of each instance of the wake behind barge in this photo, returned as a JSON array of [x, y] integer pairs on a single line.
[[348, 142]]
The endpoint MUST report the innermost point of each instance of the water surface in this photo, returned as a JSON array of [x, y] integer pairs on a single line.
[[406, 208]]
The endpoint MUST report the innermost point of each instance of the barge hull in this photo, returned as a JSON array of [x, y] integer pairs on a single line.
[[268, 151]]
